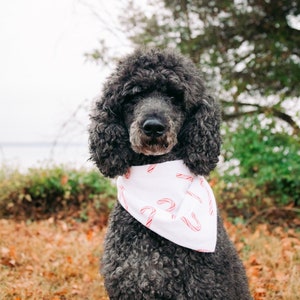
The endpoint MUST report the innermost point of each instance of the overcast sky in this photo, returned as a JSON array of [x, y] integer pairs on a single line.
[[44, 75]]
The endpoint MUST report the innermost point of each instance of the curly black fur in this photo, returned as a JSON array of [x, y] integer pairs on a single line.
[[155, 108]]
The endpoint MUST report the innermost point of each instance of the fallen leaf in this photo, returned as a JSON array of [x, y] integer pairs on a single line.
[[69, 259], [90, 234]]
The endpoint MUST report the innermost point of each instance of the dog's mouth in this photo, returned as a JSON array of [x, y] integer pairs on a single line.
[[152, 147]]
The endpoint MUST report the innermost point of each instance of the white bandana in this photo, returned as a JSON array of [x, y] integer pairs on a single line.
[[171, 201]]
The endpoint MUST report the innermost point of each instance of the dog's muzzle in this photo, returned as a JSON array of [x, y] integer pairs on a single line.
[[155, 124], [152, 136]]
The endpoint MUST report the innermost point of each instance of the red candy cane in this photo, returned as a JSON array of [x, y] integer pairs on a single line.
[[210, 200], [196, 227], [194, 196], [127, 174], [204, 250], [171, 203], [151, 215], [122, 196], [167, 201], [186, 177], [151, 168]]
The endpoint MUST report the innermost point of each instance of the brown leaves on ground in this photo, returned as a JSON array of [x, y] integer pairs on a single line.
[[271, 256], [50, 260], [60, 260]]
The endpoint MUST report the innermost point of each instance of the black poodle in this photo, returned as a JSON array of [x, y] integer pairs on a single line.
[[155, 111]]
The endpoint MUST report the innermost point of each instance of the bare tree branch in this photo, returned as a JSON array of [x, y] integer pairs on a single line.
[[266, 110]]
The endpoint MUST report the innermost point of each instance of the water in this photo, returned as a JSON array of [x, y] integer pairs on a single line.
[[28, 155], [74, 155]]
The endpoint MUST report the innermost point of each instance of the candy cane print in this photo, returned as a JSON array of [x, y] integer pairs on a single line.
[[151, 215], [186, 177], [122, 196], [171, 203], [203, 250], [151, 168], [168, 201], [187, 222], [127, 174], [210, 200], [194, 196]]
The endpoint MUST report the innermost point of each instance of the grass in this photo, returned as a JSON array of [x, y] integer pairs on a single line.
[[58, 260]]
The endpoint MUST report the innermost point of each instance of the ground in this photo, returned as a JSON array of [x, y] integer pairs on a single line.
[[57, 260]]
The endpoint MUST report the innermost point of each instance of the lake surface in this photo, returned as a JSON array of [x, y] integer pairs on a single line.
[[27, 155]]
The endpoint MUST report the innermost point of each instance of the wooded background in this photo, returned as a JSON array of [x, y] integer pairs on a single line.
[[248, 52]]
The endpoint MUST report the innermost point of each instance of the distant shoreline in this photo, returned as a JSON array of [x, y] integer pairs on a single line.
[[26, 155], [42, 144]]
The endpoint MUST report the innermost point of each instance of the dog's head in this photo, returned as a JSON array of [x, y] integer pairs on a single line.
[[154, 108]]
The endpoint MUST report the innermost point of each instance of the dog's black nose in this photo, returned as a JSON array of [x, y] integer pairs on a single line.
[[153, 127]]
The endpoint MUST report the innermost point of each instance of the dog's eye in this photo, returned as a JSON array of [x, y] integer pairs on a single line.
[[129, 101], [178, 101], [127, 108]]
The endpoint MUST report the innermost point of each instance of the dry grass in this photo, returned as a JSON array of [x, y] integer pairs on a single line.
[[59, 260]]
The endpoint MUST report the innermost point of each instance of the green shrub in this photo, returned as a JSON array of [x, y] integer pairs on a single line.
[[42, 192], [239, 199], [268, 156]]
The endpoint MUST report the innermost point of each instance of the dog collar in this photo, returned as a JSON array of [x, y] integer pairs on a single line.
[[173, 202]]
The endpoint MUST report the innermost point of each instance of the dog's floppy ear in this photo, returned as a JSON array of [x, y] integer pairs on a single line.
[[200, 136], [108, 141]]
